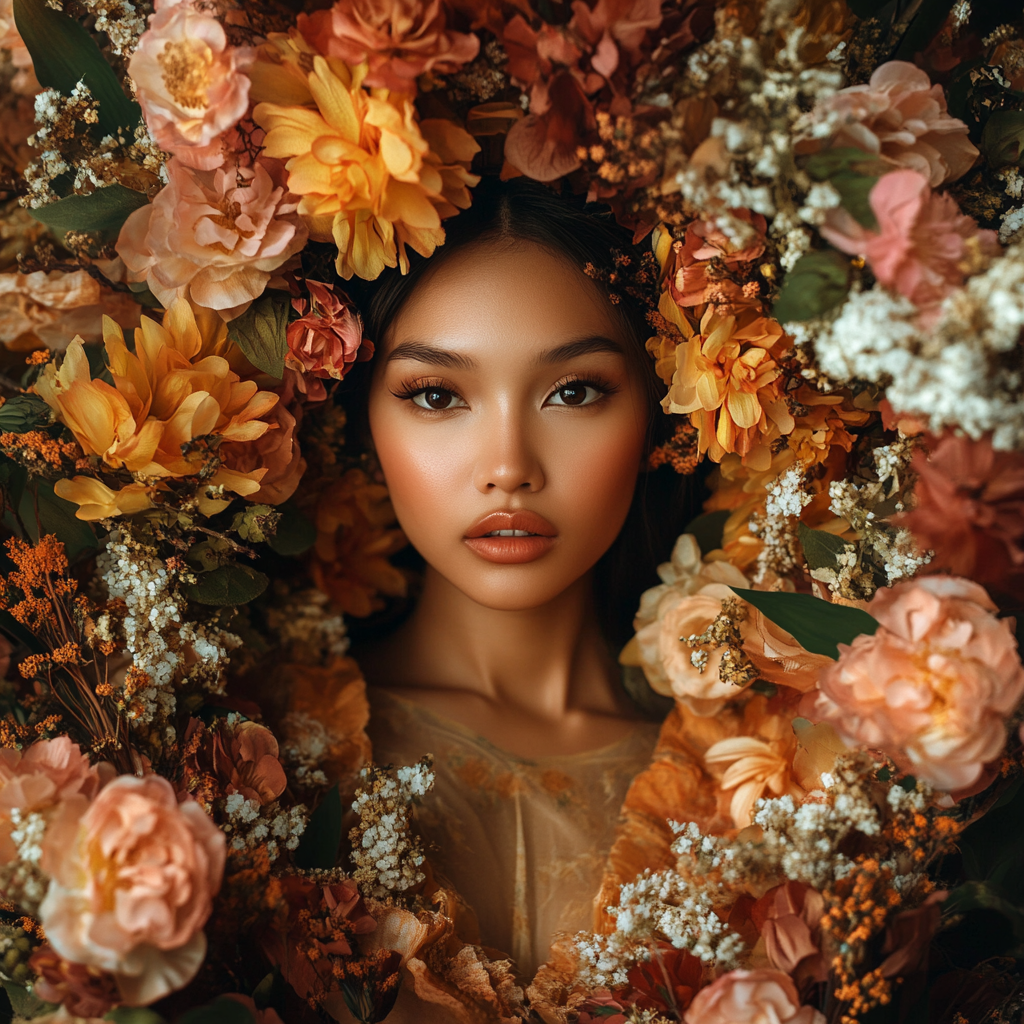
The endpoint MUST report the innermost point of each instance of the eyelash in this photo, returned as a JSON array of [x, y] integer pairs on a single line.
[[417, 387]]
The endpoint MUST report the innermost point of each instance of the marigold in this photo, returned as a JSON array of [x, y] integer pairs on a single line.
[[371, 177], [176, 388]]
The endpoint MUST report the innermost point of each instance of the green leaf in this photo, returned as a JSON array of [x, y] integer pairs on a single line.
[[104, 210], [853, 174], [134, 1015], [13, 478], [228, 585], [983, 896], [821, 549], [295, 533], [1002, 140], [318, 847], [24, 1003], [817, 625], [64, 53], [21, 413], [220, 1011], [818, 282], [261, 333], [43, 512], [708, 528]]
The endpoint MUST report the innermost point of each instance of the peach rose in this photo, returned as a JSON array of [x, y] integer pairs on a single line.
[[189, 83], [751, 997], [400, 39], [921, 241], [213, 237], [933, 686], [277, 451], [133, 875], [900, 116]]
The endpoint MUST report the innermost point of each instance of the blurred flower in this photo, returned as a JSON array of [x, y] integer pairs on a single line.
[[900, 116], [354, 521], [214, 237], [789, 920], [751, 997], [969, 509], [49, 308], [84, 991], [933, 686], [189, 83], [133, 879], [175, 388], [276, 453], [326, 339], [10, 40], [601, 1007], [371, 177], [398, 39], [267, 1016], [725, 375], [922, 239]]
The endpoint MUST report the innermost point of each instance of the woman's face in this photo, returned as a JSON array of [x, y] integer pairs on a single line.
[[508, 423]]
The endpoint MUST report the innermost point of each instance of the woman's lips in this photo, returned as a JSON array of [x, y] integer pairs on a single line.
[[536, 536]]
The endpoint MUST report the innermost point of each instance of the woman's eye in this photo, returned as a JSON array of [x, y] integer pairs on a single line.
[[437, 399], [575, 394]]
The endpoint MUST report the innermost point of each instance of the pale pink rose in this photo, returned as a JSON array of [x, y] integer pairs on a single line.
[[751, 997], [133, 875], [328, 336], [921, 241], [52, 307], [277, 451], [189, 83], [933, 686], [213, 237], [900, 116], [399, 39]]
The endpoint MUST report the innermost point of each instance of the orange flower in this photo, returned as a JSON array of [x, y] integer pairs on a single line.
[[371, 176], [176, 388], [725, 374], [354, 538]]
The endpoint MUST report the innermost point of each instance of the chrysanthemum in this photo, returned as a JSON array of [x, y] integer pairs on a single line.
[[371, 177]]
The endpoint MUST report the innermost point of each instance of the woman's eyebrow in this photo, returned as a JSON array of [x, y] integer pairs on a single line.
[[419, 352], [582, 347]]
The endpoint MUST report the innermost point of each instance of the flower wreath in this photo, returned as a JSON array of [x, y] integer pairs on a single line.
[[830, 829]]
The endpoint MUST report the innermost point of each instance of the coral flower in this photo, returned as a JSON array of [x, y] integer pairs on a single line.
[[724, 374], [900, 116], [933, 686], [398, 39], [751, 997], [133, 879], [371, 177], [189, 83], [214, 237], [789, 920], [922, 239], [176, 387]]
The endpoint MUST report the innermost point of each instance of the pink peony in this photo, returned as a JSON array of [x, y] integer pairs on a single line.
[[399, 39], [213, 236], [751, 997], [933, 686], [326, 339], [133, 875], [921, 241], [900, 116], [189, 83]]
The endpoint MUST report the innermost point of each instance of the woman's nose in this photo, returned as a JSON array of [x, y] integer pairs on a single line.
[[506, 460]]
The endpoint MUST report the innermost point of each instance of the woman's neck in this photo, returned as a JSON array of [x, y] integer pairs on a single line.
[[535, 681]]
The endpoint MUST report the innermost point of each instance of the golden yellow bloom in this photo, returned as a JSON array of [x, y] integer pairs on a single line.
[[725, 376], [371, 177], [173, 399]]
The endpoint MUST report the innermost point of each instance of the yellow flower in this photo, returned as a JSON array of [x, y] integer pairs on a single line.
[[371, 177], [725, 375], [98, 501], [172, 401]]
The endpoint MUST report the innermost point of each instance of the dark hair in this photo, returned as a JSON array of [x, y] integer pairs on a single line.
[[523, 210]]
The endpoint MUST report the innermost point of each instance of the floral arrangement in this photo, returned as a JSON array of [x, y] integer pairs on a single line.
[[832, 201]]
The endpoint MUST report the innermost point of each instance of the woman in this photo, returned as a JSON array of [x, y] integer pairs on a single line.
[[512, 408]]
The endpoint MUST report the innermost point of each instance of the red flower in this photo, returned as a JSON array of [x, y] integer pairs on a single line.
[[666, 982], [83, 991]]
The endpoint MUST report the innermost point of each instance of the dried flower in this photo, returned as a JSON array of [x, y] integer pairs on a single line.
[[751, 997], [933, 686]]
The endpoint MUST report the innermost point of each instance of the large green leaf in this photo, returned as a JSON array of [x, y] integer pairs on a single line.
[[21, 413], [318, 847], [261, 333], [220, 1011], [104, 210], [818, 282], [708, 529], [295, 533], [134, 1015], [821, 549], [1002, 139], [817, 625], [228, 585], [63, 54], [43, 512], [24, 1003]]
